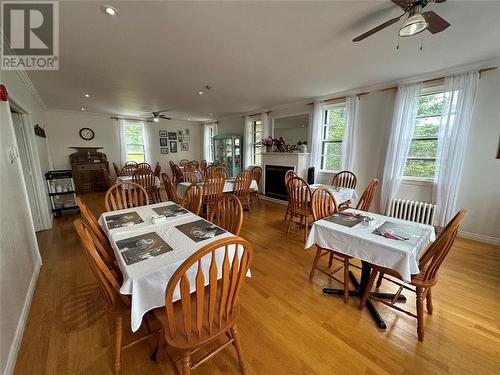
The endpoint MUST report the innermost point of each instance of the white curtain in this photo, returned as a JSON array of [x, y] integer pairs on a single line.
[[146, 141], [315, 135], [123, 142], [265, 125], [248, 143], [459, 98], [403, 125], [209, 131], [349, 141]]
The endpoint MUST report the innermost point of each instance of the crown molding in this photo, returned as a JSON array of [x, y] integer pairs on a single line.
[[23, 76]]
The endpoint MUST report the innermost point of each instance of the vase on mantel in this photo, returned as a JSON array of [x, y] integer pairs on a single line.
[[269, 148]]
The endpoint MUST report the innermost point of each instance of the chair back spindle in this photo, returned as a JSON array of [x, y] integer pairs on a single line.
[[323, 203], [345, 179], [147, 179], [125, 194]]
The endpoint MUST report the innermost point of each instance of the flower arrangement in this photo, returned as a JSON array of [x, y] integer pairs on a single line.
[[269, 141]]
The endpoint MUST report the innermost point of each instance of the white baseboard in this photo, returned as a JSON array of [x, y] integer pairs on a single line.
[[479, 237], [21, 324]]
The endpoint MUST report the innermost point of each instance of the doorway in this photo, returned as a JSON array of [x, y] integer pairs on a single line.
[[22, 144]]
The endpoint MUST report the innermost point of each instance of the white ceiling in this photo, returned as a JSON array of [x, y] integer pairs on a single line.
[[157, 55]]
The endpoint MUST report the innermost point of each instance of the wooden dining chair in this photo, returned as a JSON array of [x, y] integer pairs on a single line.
[[195, 164], [117, 170], [203, 166], [429, 265], [193, 175], [105, 250], [128, 169], [147, 179], [125, 194], [257, 177], [213, 188], [345, 179], [209, 171], [157, 170], [145, 166], [323, 204], [299, 198], [216, 163], [170, 189], [184, 162], [107, 177], [288, 175], [228, 214], [131, 162], [220, 171], [172, 169], [241, 188], [365, 201], [179, 175], [205, 313], [117, 304], [192, 199]]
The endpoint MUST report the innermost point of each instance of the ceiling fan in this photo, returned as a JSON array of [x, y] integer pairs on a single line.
[[416, 21], [158, 115]]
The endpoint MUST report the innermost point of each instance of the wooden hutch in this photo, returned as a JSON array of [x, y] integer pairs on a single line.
[[86, 164]]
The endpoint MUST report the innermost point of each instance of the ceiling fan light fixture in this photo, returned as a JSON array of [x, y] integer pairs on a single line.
[[414, 24], [156, 119]]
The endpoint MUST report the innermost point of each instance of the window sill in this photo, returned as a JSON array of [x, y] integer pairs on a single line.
[[325, 171], [417, 181]]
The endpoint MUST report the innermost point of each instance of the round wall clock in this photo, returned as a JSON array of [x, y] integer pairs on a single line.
[[87, 134]]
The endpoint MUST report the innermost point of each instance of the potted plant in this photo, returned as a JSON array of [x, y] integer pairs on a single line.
[[280, 144], [268, 142]]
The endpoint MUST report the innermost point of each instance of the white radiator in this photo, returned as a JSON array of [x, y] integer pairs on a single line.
[[419, 212]]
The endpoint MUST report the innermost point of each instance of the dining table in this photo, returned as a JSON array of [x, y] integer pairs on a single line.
[[228, 186], [148, 252], [341, 194], [373, 239]]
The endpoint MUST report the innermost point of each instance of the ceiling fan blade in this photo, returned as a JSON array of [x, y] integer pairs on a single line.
[[436, 23], [439, 1], [165, 117], [378, 28], [404, 3]]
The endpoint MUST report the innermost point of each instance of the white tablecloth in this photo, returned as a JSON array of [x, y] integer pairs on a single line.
[[228, 187], [341, 194], [147, 280], [360, 242], [129, 178]]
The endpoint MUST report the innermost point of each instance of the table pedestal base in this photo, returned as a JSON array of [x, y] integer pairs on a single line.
[[358, 292]]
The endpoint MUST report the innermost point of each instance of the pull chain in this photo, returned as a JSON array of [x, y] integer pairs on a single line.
[[421, 41]]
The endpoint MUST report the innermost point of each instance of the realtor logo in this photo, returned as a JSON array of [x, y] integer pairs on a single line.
[[30, 35]]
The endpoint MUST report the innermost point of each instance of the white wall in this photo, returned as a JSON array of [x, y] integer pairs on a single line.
[[233, 124], [64, 127], [19, 256]]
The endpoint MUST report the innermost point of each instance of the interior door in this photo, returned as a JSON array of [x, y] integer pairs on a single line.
[[27, 170]]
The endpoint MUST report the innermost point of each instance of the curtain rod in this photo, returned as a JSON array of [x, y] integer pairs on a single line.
[[480, 71], [129, 119], [257, 114]]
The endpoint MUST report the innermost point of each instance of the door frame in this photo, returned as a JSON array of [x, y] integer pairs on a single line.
[[37, 178]]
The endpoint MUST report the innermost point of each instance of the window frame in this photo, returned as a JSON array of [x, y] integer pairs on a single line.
[[256, 143], [325, 142], [433, 89], [139, 124]]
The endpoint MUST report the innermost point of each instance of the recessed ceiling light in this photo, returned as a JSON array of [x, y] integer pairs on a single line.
[[189, 118], [210, 113], [200, 92], [82, 109], [86, 95], [109, 10]]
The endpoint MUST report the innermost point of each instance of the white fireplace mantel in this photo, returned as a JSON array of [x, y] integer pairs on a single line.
[[297, 160]]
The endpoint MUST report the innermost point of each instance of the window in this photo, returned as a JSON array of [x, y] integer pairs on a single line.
[[332, 135], [134, 138], [210, 132], [421, 160], [257, 142]]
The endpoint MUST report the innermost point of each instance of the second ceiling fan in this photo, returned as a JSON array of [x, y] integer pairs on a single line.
[[416, 21]]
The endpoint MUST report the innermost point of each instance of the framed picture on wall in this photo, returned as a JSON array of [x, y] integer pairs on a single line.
[[184, 147], [186, 138], [163, 133], [186, 131], [163, 142], [164, 150], [172, 135], [173, 147]]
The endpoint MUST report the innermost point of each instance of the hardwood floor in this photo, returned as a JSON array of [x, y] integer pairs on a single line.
[[287, 325]]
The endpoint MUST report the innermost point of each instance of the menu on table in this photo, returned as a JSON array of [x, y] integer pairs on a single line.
[[200, 230], [145, 246], [126, 219], [344, 220], [171, 210]]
